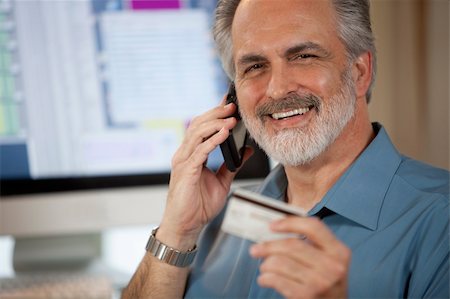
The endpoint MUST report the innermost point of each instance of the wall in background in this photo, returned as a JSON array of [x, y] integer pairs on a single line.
[[411, 95]]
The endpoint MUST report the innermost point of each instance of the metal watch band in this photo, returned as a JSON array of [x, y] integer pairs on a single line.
[[168, 254]]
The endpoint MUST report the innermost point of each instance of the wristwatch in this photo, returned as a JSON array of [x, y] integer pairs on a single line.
[[168, 254]]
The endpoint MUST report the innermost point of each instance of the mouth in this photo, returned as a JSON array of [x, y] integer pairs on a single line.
[[290, 113]]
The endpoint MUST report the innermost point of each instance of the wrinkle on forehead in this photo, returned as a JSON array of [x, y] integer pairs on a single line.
[[305, 10], [310, 17]]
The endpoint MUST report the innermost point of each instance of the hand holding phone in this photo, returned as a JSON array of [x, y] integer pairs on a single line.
[[233, 147]]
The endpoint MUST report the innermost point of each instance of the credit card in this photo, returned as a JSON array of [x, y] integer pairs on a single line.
[[249, 214]]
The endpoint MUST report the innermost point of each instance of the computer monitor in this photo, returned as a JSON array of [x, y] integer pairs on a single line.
[[95, 97]]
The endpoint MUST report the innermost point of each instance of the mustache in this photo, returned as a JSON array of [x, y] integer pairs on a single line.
[[289, 102]]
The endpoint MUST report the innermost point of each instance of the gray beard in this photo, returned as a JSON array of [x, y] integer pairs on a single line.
[[300, 146]]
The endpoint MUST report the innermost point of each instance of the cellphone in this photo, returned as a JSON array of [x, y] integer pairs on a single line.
[[233, 147]]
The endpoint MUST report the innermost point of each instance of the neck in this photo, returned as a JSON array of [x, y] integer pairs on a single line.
[[308, 184]]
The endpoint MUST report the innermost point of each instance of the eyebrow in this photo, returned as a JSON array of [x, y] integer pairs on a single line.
[[255, 58], [304, 47], [250, 58]]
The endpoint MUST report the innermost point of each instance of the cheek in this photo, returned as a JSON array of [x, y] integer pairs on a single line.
[[248, 98], [320, 82]]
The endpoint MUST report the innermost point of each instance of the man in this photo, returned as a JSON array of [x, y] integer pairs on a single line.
[[303, 72]]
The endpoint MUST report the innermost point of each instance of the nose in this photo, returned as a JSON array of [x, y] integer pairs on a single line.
[[281, 82]]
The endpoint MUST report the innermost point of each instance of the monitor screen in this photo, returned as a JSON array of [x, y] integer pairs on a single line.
[[98, 93]]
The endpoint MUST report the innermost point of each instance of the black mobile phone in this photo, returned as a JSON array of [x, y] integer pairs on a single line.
[[234, 146]]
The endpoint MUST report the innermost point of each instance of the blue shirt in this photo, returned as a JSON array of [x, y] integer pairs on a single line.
[[390, 210]]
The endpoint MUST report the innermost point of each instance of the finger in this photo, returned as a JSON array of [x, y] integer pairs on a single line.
[[320, 277], [287, 288], [315, 231], [196, 136], [221, 111], [303, 252], [202, 127], [223, 101], [199, 156], [285, 266], [297, 250], [226, 176]]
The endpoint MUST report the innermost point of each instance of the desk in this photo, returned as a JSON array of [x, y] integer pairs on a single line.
[[123, 249]]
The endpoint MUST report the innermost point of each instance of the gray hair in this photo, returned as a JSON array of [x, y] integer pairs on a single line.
[[354, 27]]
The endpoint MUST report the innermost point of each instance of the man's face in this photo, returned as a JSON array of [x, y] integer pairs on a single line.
[[293, 79]]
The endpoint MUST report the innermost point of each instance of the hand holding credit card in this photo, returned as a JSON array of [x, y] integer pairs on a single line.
[[249, 215]]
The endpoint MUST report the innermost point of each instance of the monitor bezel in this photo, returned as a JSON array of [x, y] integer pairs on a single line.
[[257, 167]]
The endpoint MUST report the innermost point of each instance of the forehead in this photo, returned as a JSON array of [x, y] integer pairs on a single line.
[[257, 22]]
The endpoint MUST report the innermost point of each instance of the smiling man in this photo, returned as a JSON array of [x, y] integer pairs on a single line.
[[303, 71]]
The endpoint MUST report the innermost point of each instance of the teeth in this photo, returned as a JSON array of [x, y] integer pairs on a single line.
[[289, 113]]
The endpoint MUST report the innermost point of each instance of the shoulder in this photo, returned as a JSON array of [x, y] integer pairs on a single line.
[[423, 177], [418, 193]]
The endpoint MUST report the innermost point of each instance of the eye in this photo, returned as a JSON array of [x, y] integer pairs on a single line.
[[303, 56], [253, 67]]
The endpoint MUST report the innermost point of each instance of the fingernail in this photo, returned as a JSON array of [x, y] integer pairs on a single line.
[[255, 249], [275, 224]]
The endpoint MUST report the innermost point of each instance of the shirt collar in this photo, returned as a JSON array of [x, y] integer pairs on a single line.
[[359, 193]]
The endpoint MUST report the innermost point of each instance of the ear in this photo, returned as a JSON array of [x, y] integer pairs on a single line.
[[362, 73]]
